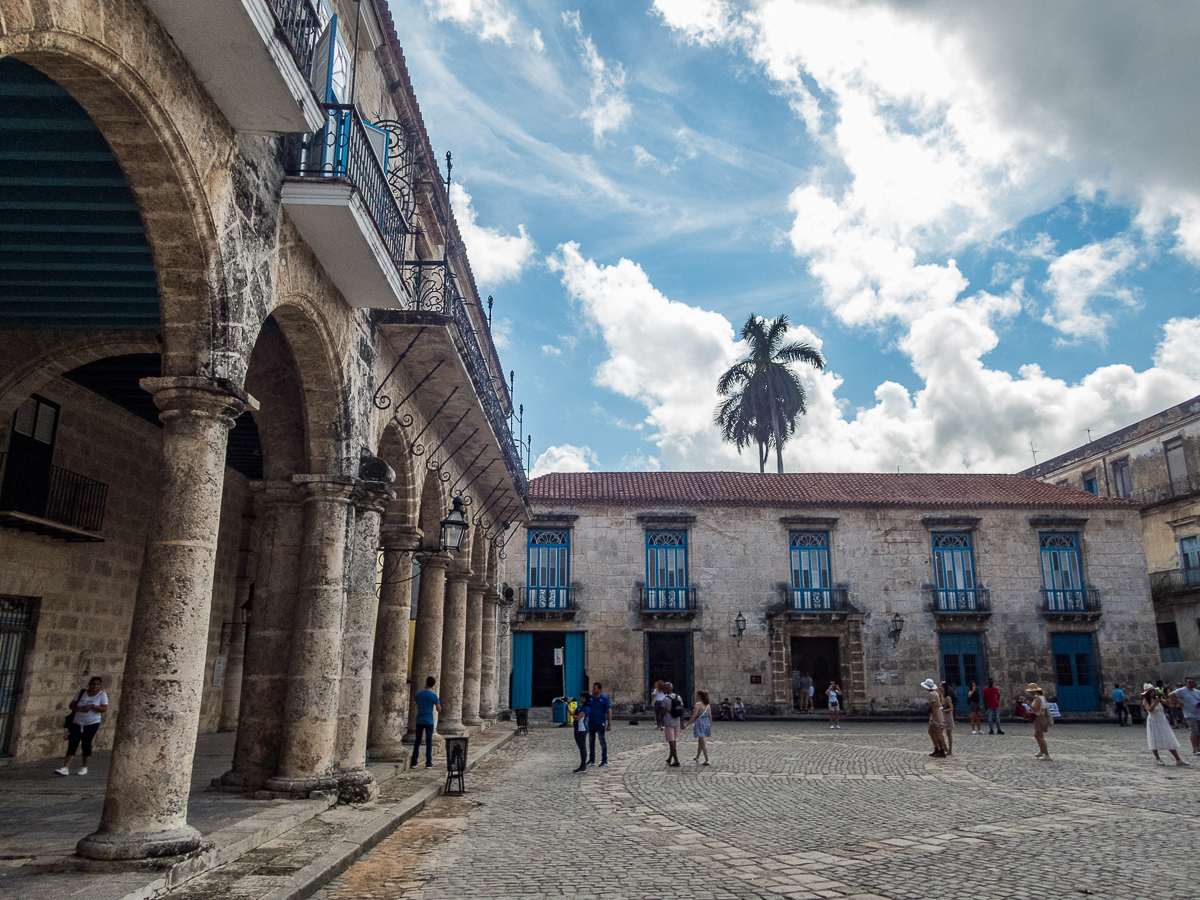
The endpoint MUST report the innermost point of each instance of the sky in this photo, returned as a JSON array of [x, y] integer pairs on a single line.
[[985, 216]]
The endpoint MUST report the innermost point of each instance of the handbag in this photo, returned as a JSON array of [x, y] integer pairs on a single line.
[[70, 719]]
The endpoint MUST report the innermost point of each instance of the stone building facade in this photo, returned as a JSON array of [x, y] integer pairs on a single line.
[[245, 376], [1155, 462], [736, 583]]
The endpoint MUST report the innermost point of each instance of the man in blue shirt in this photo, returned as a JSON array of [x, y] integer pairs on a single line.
[[1119, 703], [599, 710], [427, 701]]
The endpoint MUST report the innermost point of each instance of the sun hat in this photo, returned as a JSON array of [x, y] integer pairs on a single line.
[[1147, 686], [929, 684], [1033, 688]]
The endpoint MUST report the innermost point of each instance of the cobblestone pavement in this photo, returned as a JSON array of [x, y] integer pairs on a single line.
[[795, 811]]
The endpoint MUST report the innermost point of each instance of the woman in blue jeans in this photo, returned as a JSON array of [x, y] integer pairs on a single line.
[[581, 733]]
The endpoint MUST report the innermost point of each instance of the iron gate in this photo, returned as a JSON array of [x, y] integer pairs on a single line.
[[16, 616]]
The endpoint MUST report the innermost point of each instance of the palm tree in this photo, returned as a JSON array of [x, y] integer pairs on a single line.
[[763, 395]]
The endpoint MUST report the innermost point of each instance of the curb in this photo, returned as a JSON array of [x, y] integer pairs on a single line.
[[324, 869]]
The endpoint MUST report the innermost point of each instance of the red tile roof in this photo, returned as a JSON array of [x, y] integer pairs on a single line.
[[813, 489]]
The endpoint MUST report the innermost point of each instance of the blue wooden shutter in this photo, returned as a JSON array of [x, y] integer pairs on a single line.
[[522, 689], [575, 657], [322, 65]]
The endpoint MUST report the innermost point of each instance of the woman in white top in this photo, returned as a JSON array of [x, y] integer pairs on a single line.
[[87, 707], [834, 695], [1159, 735], [658, 697]]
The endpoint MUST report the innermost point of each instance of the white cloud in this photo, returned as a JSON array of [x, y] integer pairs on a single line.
[[608, 108], [642, 157], [667, 356], [495, 257], [502, 333], [1083, 275], [551, 350], [565, 458], [490, 19]]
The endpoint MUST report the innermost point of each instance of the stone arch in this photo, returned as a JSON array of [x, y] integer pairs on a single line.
[[434, 505], [392, 450], [154, 156], [479, 554], [493, 567]]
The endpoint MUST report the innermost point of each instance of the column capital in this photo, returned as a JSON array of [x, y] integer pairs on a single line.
[[371, 500], [458, 576], [269, 493], [188, 396], [437, 561], [325, 488], [399, 537]]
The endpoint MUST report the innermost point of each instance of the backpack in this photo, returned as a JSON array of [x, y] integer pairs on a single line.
[[676, 706]]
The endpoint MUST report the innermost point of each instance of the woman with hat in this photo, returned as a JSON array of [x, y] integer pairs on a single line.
[[1041, 718], [1159, 735]]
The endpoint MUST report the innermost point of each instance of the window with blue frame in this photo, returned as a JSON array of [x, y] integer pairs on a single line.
[[812, 581], [666, 571], [1089, 482], [1062, 572], [1189, 558], [549, 555], [954, 571]]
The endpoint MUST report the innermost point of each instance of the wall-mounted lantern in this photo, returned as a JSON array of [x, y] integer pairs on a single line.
[[895, 627]]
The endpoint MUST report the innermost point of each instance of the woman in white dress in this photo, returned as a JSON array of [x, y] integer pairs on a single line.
[[1159, 735]]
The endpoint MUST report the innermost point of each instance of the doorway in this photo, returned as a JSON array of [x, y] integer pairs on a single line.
[[1075, 672], [27, 475], [821, 659], [16, 626], [962, 663], [669, 658], [547, 681]]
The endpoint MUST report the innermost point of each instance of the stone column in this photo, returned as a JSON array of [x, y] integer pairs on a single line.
[[487, 658], [310, 712], [389, 678], [146, 802], [355, 783], [473, 661], [279, 519], [503, 658], [427, 640], [235, 651], [454, 634]]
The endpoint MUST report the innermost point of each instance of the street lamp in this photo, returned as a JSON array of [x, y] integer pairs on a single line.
[[895, 627], [740, 622], [454, 526]]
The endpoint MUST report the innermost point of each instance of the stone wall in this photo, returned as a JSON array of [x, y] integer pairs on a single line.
[[739, 559]]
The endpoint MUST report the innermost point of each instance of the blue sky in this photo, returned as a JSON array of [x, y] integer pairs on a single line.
[[988, 219]]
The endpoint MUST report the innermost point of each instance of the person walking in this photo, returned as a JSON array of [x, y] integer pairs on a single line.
[[580, 723], [657, 697], [975, 706], [806, 692], [833, 694], [701, 725], [1190, 698], [427, 701], [991, 705], [948, 716], [599, 724], [86, 708], [934, 701], [1119, 706], [1159, 735], [1042, 720], [672, 713]]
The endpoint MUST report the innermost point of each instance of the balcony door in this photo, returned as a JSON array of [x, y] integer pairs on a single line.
[[1062, 575], [811, 579], [27, 468], [666, 570], [954, 570]]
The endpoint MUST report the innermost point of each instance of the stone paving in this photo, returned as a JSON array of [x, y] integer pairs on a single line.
[[796, 811]]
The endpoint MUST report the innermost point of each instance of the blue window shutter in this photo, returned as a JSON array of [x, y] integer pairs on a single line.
[[522, 689], [575, 657], [322, 65]]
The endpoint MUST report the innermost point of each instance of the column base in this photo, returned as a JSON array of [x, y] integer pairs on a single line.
[[240, 782], [300, 785], [357, 787], [473, 722], [451, 729], [147, 845], [390, 752]]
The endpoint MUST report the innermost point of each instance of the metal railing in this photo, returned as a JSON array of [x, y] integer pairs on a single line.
[[1176, 487], [1174, 581], [71, 499], [298, 26], [961, 600], [1070, 600], [547, 599], [668, 599], [830, 599]]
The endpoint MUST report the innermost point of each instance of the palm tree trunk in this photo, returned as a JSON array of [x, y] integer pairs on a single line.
[[778, 436], [762, 458]]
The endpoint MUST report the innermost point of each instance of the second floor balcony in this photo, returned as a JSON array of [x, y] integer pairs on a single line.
[[963, 603], [668, 602], [1071, 603], [51, 501], [547, 602], [1169, 489], [1172, 583], [834, 599]]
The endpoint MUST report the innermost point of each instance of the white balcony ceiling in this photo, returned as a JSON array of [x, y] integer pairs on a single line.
[[337, 226], [244, 65]]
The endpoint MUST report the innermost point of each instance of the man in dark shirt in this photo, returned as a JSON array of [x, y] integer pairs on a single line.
[[427, 701], [599, 724]]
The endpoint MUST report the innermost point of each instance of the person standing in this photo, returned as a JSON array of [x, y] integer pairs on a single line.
[[87, 708], [1190, 698], [833, 694], [806, 692], [1159, 735], [672, 713], [975, 707], [427, 701], [1119, 706], [934, 701], [580, 724], [657, 697], [701, 724], [991, 705], [948, 716], [599, 724], [1042, 720]]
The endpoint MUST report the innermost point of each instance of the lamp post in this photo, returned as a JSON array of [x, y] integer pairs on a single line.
[[894, 628]]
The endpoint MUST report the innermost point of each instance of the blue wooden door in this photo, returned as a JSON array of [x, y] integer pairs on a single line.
[[575, 658], [522, 683], [962, 663], [1075, 672]]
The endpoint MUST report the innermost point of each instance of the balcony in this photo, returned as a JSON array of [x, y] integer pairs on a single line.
[[1063, 604], [1172, 583], [1169, 490], [338, 195], [547, 603], [816, 600], [253, 56], [68, 507], [668, 603], [960, 604]]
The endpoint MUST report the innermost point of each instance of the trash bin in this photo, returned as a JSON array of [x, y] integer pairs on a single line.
[[522, 721], [456, 763], [560, 712]]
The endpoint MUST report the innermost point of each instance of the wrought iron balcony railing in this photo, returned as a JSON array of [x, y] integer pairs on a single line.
[[547, 599], [961, 600], [816, 600], [1070, 600], [1176, 487], [297, 23], [682, 599], [1174, 581], [70, 499]]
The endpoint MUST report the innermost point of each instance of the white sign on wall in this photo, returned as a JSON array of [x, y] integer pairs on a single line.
[[558, 656]]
